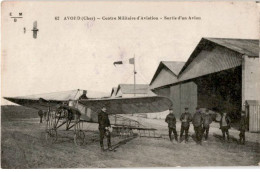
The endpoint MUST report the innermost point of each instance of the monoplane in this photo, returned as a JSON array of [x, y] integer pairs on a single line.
[[67, 109]]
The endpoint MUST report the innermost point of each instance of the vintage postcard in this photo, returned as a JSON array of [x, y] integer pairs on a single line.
[[129, 84]]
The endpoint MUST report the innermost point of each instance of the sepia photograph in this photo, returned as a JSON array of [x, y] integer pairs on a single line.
[[130, 84]]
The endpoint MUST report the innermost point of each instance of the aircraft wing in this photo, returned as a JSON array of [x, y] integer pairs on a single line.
[[40, 103], [43, 101], [129, 105], [114, 105]]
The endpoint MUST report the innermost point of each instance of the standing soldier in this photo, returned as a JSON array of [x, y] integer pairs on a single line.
[[197, 124], [225, 125], [185, 123], [104, 124], [40, 113], [242, 128], [207, 120], [171, 120]]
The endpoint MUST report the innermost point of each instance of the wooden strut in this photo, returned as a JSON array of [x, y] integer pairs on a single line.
[[56, 122], [68, 124], [72, 126], [61, 124]]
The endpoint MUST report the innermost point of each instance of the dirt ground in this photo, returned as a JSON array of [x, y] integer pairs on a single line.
[[23, 145]]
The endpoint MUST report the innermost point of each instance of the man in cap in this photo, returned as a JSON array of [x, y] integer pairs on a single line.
[[185, 123], [207, 120], [40, 113], [171, 120], [242, 128], [104, 125], [84, 95], [197, 121]]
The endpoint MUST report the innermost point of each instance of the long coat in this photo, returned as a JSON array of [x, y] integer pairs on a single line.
[[103, 120], [171, 120]]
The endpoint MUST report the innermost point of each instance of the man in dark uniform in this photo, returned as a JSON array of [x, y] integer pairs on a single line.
[[84, 95], [207, 120], [40, 113], [185, 123], [104, 124], [242, 128], [171, 120], [197, 121]]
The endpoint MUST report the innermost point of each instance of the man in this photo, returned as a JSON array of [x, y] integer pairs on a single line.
[[171, 120], [185, 123], [225, 125], [104, 124], [84, 95], [45, 115], [197, 121], [242, 128], [207, 120], [40, 113]]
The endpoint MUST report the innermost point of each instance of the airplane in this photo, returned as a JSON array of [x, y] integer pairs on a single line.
[[35, 30], [69, 110]]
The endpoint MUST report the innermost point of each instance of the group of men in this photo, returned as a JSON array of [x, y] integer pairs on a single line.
[[201, 123]]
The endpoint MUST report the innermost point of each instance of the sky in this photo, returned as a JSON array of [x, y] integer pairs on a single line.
[[72, 54]]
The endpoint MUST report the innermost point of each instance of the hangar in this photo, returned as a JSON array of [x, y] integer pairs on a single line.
[[221, 74], [131, 90]]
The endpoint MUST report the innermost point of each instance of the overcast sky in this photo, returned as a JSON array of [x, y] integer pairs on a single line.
[[72, 54]]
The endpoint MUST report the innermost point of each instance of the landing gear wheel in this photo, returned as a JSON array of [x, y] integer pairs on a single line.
[[79, 138], [51, 135]]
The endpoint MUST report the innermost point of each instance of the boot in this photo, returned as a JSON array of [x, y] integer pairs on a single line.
[[170, 138], [228, 137], [176, 138], [244, 141]]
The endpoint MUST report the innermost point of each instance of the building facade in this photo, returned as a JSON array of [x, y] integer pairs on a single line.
[[220, 74]]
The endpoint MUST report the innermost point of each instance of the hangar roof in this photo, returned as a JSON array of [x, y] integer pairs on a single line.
[[248, 47], [129, 88], [209, 56], [174, 66]]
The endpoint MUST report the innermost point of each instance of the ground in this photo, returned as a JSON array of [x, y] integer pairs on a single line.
[[23, 145]]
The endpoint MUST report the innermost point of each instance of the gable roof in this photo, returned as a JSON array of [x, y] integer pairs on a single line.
[[248, 47], [129, 88], [174, 66]]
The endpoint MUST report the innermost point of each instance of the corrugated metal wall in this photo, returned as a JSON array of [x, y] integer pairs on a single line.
[[175, 97], [211, 61], [182, 95], [163, 92], [250, 79], [254, 118], [189, 97], [165, 77]]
